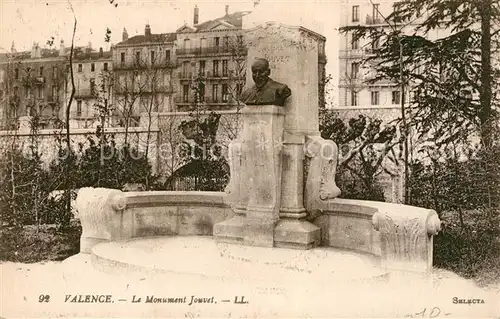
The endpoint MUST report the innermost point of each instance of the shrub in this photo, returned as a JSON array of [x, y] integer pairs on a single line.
[[472, 250]]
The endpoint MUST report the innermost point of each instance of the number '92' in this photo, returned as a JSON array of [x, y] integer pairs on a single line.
[[44, 298]]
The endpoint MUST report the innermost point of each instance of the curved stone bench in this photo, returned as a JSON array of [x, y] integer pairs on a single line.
[[109, 215], [400, 235]]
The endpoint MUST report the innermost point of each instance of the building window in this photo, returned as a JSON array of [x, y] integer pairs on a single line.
[[40, 92], [376, 13], [201, 92], [224, 67], [396, 97], [354, 70], [216, 68], [16, 91], [105, 66], [92, 67], [137, 56], [355, 13], [16, 73], [217, 42], [225, 93], [354, 98], [54, 72], [80, 67], [185, 69], [28, 92], [202, 68], [239, 40], [167, 56], [226, 43], [152, 57], [375, 97], [215, 93], [354, 44], [41, 71], [92, 86], [185, 93], [79, 108], [122, 57]]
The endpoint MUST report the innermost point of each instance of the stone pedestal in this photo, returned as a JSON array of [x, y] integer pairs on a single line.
[[269, 200], [254, 191]]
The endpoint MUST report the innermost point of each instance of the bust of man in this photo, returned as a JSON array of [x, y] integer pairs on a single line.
[[265, 90]]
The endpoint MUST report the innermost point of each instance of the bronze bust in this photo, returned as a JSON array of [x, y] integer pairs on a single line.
[[265, 90]]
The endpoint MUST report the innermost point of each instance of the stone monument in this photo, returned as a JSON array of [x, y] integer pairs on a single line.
[[279, 164]]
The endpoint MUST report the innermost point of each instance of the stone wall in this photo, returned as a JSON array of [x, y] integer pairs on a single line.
[[47, 140]]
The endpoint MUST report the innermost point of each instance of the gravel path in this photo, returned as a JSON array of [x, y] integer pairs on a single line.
[[25, 285]]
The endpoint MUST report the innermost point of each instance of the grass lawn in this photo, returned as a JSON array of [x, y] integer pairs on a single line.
[[31, 244]]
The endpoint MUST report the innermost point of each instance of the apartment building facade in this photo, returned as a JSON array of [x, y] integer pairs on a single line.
[[92, 73], [354, 92], [212, 62], [32, 83], [143, 68]]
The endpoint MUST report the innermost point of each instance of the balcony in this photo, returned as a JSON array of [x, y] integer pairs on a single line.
[[39, 80], [353, 54], [185, 75], [84, 94], [215, 50], [134, 65], [373, 20]]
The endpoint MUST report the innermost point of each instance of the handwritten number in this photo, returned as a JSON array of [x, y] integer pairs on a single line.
[[43, 298], [421, 313], [435, 312]]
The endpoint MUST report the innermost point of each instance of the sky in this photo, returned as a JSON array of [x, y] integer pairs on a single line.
[[28, 21]]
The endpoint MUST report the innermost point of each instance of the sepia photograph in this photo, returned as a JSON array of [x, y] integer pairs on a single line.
[[249, 159]]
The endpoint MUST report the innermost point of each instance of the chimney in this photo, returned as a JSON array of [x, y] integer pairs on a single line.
[[147, 30], [227, 9], [61, 48], [124, 35], [33, 50], [101, 53], [255, 3], [13, 48], [196, 15]]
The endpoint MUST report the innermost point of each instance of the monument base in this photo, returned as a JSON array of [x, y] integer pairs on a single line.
[[285, 233], [259, 232], [297, 234], [230, 231]]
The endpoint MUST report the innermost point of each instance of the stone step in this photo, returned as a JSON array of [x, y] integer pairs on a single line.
[[204, 257]]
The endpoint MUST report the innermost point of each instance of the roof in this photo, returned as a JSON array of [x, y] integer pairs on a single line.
[[93, 55], [138, 39], [234, 19], [24, 55]]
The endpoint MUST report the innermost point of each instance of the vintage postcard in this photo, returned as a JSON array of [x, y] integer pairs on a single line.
[[249, 159]]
